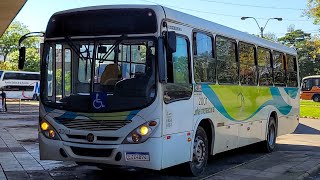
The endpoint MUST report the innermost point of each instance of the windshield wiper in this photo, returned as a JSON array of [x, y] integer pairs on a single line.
[[114, 45], [74, 48]]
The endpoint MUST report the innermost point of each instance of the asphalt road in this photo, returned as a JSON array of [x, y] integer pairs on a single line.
[[25, 131]]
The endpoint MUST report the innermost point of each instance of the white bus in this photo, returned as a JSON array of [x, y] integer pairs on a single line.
[[151, 87], [20, 84]]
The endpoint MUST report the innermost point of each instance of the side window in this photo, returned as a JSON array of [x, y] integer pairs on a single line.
[[316, 82], [279, 69], [227, 70], [292, 79], [248, 73], [67, 72], [180, 62], [58, 72], [265, 68], [179, 85], [307, 85], [203, 60]]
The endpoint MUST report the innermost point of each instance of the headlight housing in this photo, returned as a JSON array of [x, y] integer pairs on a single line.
[[48, 131], [141, 133]]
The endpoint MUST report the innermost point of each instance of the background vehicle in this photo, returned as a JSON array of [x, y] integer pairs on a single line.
[[151, 87], [310, 89], [20, 84]]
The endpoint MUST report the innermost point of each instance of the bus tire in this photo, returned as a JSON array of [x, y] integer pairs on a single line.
[[316, 98], [200, 154], [270, 143]]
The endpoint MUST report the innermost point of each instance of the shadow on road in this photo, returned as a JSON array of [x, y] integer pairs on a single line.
[[304, 129]]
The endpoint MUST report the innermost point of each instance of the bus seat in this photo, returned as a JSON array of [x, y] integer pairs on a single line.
[[109, 75]]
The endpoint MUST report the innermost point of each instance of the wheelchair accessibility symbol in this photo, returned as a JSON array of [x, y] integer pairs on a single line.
[[98, 100]]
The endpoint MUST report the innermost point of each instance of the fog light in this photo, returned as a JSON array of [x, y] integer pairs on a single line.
[[51, 133], [144, 130], [136, 138], [44, 126]]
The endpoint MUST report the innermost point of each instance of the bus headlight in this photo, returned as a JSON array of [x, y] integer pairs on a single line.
[[141, 134], [48, 131]]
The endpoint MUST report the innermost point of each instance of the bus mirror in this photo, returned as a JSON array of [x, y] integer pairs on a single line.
[[171, 41], [22, 57]]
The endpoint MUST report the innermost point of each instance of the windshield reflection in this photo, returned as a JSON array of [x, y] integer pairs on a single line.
[[121, 76]]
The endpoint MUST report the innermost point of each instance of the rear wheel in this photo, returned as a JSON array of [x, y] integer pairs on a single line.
[[200, 154], [316, 98], [270, 144]]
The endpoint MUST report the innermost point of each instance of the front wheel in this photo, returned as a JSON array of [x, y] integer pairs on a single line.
[[200, 154]]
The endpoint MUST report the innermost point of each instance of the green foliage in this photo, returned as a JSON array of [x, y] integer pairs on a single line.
[[9, 40], [313, 10], [307, 48], [32, 60]]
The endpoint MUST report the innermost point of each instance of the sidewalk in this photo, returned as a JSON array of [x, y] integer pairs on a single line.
[[283, 165], [19, 161]]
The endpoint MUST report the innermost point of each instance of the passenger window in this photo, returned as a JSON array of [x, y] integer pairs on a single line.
[[307, 85], [227, 70], [203, 60], [316, 82], [292, 76], [265, 68], [248, 73], [279, 69], [178, 66]]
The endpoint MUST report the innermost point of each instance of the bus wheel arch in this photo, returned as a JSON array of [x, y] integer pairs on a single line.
[[208, 126]]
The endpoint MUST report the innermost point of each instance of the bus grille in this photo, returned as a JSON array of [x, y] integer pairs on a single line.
[[91, 152], [93, 125]]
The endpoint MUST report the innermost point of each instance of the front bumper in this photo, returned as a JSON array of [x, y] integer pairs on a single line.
[[51, 150]]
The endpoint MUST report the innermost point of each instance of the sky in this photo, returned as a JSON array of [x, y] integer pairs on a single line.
[[36, 13]]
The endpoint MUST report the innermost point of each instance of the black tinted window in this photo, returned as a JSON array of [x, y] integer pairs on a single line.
[[265, 68], [248, 74], [227, 70], [292, 79], [204, 62], [278, 69], [20, 76]]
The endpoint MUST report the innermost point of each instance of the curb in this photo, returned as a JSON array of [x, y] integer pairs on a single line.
[[309, 172]]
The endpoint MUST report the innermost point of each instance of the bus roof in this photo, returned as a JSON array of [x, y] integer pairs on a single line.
[[314, 76], [197, 23]]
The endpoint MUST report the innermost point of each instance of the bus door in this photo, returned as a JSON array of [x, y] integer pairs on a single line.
[[178, 104]]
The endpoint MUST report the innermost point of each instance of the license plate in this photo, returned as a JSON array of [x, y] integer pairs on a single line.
[[137, 156]]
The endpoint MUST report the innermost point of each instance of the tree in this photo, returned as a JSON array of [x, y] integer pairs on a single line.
[[32, 62], [313, 10], [270, 37], [308, 49], [9, 40]]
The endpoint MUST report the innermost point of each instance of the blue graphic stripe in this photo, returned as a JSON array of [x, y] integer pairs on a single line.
[[276, 101]]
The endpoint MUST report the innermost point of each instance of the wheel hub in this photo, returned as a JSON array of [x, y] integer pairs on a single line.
[[199, 152]]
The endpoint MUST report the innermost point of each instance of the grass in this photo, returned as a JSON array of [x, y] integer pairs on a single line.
[[309, 109]]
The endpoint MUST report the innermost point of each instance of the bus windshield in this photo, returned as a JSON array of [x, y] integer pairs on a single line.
[[99, 75]]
